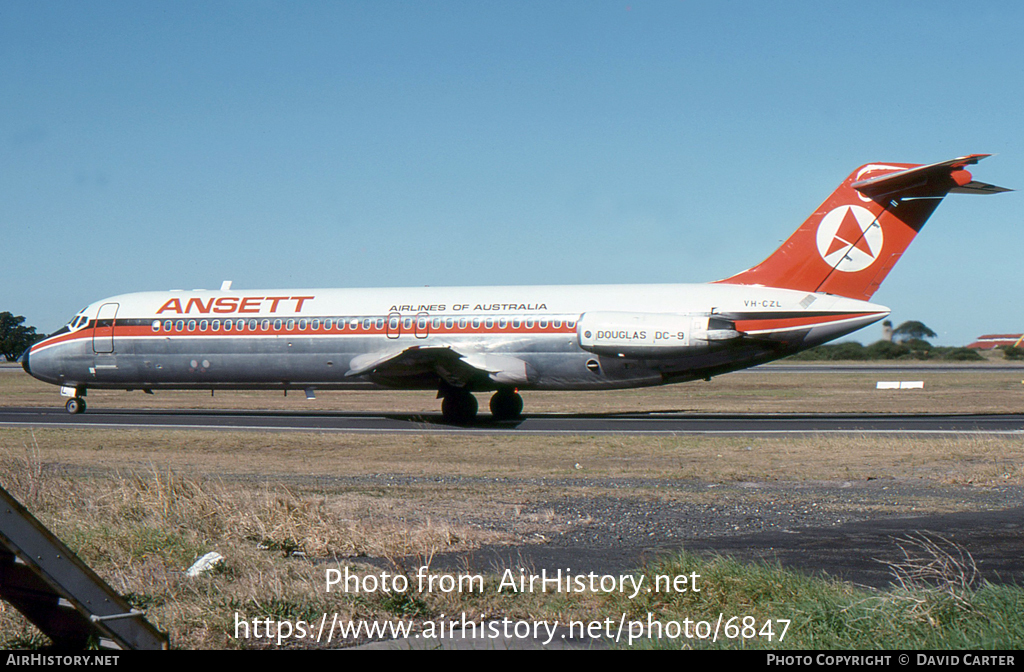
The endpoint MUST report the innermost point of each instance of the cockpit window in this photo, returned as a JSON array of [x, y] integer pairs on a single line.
[[78, 320]]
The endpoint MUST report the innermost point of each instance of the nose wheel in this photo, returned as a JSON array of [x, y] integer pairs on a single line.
[[75, 406]]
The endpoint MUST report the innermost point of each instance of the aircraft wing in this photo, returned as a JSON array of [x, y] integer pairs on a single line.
[[454, 367]]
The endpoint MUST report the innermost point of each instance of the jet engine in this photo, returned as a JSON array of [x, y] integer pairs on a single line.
[[653, 335]]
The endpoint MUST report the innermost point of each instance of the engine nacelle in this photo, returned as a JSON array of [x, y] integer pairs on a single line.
[[653, 335]]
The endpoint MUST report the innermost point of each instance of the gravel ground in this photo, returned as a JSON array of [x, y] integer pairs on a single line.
[[845, 530]]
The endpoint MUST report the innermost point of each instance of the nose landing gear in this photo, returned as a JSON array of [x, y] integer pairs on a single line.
[[75, 406]]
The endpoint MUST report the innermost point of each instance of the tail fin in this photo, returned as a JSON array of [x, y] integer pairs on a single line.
[[853, 240]]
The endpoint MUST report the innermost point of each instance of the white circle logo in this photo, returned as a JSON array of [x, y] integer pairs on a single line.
[[849, 238]]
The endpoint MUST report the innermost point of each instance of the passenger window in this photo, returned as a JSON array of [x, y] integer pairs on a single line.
[[315, 325], [252, 325], [380, 322], [156, 325], [290, 325], [215, 325], [407, 323], [191, 325], [449, 323], [240, 325], [556, 324], [167, 325], [543, 324], [179, 325], [516, 322], [265, 325], [278, 324], [529, 323], [502, 323], [302, 325], [437, 323], [476, 322], [328, 324], [203, 325], [227, 325], [366, 324]]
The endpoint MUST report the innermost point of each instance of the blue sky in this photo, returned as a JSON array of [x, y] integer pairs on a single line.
[[164, 145]]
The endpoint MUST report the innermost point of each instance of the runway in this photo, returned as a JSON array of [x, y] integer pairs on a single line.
[[673, 423]]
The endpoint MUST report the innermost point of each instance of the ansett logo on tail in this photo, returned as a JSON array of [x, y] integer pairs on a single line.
[[849, 240]]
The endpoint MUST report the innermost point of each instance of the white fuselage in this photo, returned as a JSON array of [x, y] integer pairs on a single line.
[[526, 337]]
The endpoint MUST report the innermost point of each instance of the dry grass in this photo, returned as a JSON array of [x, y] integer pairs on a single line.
[[141, 529], [321, 459]]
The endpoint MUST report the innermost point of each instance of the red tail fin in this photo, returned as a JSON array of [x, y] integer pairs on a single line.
[[853, 240]]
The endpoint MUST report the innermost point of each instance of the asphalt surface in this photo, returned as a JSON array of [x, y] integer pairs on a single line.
[[845, 530], [590, 423], [860, 552], [832, 530]]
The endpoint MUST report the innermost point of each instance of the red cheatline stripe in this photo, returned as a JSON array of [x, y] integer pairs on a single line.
[[793, 322], [143, 331]]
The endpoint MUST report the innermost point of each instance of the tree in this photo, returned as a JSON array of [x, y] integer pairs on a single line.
[[912, 330], [887, 331], [1013, 352], [15, 338]]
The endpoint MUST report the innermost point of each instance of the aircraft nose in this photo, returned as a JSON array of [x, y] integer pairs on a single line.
[[24, 361]]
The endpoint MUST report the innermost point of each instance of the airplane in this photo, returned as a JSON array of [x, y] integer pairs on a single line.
[[459, 340]]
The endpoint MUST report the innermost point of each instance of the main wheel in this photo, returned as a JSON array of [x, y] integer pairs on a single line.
[[75, 405], [506, 405], [459, 408]]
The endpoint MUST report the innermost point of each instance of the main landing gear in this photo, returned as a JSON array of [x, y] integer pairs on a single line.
[[506, 404], [459, 406]]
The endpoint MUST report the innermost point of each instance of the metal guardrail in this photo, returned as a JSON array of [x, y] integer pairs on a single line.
[[44, 580]]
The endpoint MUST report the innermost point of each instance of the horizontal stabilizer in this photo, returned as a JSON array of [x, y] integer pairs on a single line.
[[936, 179], [975, 187]]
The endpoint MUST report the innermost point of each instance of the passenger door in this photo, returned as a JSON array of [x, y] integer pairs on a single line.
[[103, 329]]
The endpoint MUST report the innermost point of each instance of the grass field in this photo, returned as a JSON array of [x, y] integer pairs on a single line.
[[141, 506]]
